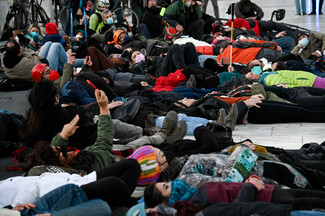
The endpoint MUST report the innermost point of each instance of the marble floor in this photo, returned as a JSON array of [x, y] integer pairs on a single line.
[[290, 135]]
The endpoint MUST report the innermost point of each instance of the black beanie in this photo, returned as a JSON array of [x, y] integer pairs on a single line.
[[297, 35]]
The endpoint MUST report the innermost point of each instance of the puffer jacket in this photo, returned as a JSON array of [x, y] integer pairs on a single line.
[[289, 78]]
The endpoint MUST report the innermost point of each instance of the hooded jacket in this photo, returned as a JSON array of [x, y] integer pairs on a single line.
[[177, 13]]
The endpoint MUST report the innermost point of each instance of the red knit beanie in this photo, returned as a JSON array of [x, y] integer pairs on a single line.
[[51, 28]]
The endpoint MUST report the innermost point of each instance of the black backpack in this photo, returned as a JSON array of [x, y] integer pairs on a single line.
[[7, 84]]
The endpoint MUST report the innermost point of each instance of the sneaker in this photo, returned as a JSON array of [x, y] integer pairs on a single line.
[[178, 133], [221, 116], [169, 123], [231, 118]]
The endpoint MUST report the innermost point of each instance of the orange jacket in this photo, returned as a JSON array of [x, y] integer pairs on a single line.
[[244, 51]]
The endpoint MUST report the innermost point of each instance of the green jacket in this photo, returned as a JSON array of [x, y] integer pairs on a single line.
[[316, 42], [289, 78], [177, 13], [103, 146], [94, 21], [226, 76]]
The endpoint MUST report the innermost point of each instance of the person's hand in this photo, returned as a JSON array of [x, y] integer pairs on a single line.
[[70, 128], [253, 101], [32, 43], [37, 51], [282, 85], [71, 59], [179, 28], [35, 56], [88, 61], [281, 34], [230, 68], [102, 102], [115, 104], [258, 96], [75, 38], [250, 145], [144, 84], [118, 46], [279, 49], [317, 53], [23, 206], [257, 182]]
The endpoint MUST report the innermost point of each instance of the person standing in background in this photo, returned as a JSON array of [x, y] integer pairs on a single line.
[[215, 7]]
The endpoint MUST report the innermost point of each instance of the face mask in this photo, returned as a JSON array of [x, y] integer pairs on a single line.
[[187, 4], [110, 21], [304, 42], [100, 10], [139, 58], [257, 70], [54, 75], [34, 34], [79, 36]]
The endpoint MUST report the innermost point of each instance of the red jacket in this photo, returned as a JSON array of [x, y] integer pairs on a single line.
[[170, 82]]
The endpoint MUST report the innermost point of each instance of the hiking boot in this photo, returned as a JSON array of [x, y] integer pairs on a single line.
[[221, 117], [191, 82], [231, 118], [178, 133], [150, 131], [169, 123]]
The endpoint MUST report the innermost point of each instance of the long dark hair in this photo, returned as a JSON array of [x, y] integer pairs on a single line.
[[41, 115], [43, 154]]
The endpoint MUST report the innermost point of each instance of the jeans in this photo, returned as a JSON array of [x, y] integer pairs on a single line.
[[69, 200], [202, 59], [55, 54], [303, 6], [286, 43], [144, 31]]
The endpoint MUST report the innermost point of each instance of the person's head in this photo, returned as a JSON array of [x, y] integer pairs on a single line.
[[7, 34], [107, 17], [12, 49], [43, 71], [119, 36], [255, 62], [157, 193], [80, 34], [187, 3], [185, 102], [51, 28], [276, 66], [255, 73], [103, 5], [34, 28], [152, 3], [299, 36], [43, 96], [136, 57]]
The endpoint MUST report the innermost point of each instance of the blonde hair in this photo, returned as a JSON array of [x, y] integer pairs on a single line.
[[35, 25]]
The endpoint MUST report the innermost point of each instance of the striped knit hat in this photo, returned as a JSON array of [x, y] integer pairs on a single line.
[[150, 169]]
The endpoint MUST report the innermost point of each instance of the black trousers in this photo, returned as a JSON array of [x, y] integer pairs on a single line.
[[115, 183], [205, 78], [314, 4], [300, 199], [178, 56], [277, 112], [205, 143]]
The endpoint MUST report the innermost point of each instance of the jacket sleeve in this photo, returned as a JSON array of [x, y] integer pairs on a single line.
[[103, 147], [295, 50], [247, 193], [259, 11], [67, 74], [170, 15], [59, 141], [93, 22], [320, 36]]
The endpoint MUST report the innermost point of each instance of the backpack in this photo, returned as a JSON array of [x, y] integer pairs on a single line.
[[7, 84]]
